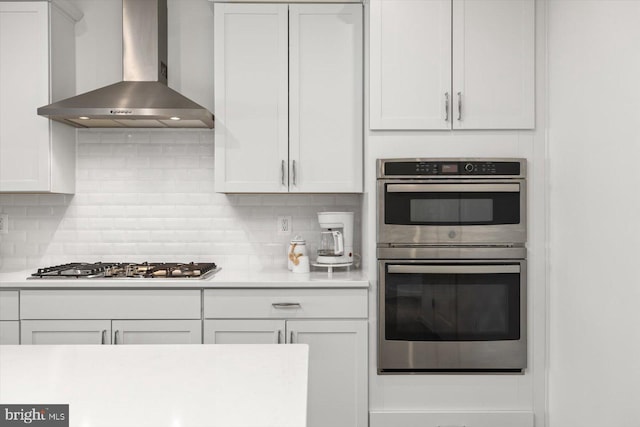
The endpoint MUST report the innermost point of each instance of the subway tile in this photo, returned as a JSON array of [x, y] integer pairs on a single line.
[[27, 248], [52, 200], [38, 211], [26, 200], [7, 248], [113, 236], [150, 194], [123, 249], [90, 237], [135, 236], [112, 136]]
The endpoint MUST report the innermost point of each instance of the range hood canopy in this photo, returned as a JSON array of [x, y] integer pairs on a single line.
[[143, 99]]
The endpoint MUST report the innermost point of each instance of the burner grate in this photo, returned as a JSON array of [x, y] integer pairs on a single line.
[[146, 270]]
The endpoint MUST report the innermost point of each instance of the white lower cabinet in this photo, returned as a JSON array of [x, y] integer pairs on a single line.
[[66, 332], [9, 332], [244, 331], [337, 370], [156, 332], [111, 332], [100, 316], [336, 334], [9, 324]]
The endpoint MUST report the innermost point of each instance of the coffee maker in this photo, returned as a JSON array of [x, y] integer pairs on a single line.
[[336, 238]]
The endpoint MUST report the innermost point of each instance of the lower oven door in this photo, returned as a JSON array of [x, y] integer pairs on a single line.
[[456, 316]]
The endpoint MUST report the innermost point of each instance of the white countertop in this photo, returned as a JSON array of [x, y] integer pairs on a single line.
[[266, 278], [162, 385]]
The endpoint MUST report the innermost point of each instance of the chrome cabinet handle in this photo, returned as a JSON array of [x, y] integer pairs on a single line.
[[459, 106], [282, 173], [295, 180], [104, 336], [291, 337], [286, 305], [279, 335], [446, 106], [116, 336]]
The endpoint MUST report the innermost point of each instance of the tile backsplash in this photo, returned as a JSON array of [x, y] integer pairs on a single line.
[[149, 196]]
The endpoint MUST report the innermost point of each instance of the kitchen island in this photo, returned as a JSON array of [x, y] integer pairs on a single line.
[[161, 385]]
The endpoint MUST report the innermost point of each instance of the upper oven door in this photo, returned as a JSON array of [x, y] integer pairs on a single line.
[[447, 212]]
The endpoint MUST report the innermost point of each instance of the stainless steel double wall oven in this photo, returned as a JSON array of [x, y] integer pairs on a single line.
[[451, 265]]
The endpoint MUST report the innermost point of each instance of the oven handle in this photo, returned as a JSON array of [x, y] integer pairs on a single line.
[[452, 188], [453, 269]]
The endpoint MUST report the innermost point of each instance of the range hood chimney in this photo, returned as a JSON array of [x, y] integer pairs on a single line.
[[143, 99]]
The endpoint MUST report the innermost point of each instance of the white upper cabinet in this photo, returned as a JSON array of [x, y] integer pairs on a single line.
[[37, 67], [251, 97], [452, 64], [288, 88], [410, 64], [493, 64], [325, 97]]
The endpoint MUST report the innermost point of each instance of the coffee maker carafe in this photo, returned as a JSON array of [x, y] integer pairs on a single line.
[[336, 238]]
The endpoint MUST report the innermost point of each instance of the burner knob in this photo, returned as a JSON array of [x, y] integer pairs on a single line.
[[468, 167]]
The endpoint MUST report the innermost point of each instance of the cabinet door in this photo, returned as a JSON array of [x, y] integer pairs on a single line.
[[325, 98], [244, 331], [337, 370], [493, 64], [24, 86], [410, 64], [251, 103], [156, 332], [9, 332], [65, 331]]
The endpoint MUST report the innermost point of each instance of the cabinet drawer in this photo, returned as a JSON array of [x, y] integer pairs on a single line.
[[107, 304], [8, 305], [285, 303]]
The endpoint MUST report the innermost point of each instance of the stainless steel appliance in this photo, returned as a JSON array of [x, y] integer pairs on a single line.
[[452, 293], [451, 201], [142, 99], [145, 270]]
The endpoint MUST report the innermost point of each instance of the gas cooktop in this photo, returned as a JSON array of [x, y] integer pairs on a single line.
[[125, 270]]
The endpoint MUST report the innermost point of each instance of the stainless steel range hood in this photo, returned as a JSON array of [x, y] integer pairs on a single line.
[[143, 99]]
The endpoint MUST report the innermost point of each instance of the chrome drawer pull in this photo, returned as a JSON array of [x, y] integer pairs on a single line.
[[286, 305]]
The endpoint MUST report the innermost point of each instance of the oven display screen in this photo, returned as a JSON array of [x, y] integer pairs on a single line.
[[450, 168]]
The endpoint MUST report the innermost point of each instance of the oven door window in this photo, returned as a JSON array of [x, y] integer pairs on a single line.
[[452, 208], [452, 306]]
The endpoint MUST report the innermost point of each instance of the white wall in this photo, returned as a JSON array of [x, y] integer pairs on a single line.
[[594, 148], [148, 194]]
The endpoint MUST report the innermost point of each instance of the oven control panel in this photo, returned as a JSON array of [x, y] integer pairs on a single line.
[[450, 168]]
